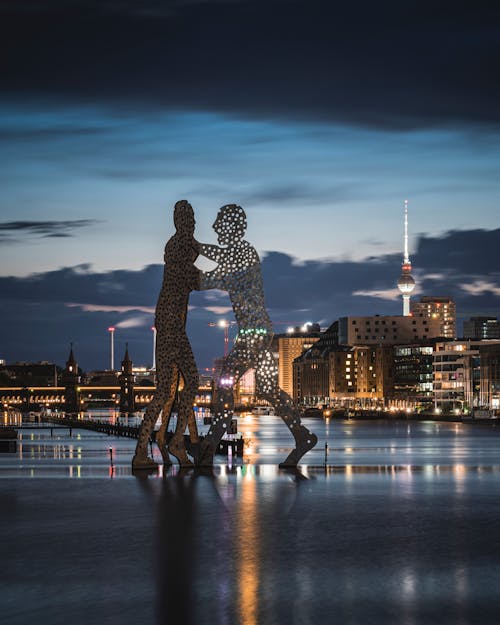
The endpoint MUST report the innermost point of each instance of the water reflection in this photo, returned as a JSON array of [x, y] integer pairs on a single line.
[[248, 546], [208, 538], [382, 447], [174, 550], [385, 544]]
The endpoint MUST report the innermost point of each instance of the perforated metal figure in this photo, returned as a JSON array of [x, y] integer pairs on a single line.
[[174, 356], [239, 273]]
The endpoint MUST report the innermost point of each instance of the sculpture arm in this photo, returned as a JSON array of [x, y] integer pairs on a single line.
[[194, 274], [212, 280], [213, 252]]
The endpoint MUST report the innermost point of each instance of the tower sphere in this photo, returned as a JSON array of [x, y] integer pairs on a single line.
[[406, 283]]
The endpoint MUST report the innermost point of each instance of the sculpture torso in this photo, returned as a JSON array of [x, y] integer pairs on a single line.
[[179, 279], [238, 272]]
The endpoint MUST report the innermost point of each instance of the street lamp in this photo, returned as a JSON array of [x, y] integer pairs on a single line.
[[223, 323], [153, 328], [111, 331]]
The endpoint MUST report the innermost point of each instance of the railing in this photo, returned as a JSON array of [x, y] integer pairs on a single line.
[[236, 444]]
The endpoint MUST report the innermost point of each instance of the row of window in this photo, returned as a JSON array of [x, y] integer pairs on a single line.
[[383, 337], [367, 323]]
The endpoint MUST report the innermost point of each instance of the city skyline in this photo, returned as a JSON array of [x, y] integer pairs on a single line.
[[320, 121]]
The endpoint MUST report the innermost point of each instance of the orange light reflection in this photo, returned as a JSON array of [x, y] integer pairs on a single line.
[[248, 535]]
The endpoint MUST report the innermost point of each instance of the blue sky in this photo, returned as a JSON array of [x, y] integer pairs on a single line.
[[312, 190], [320, 120]]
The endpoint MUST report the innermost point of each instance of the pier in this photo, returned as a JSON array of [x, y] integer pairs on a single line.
[[230, 442]]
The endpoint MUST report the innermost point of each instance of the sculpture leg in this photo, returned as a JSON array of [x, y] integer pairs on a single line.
[[266, 384], [223, 413], [141, 459], [176, 446], [234, 366], [190, 372], [172, 384], [185, 415], [305, 440]]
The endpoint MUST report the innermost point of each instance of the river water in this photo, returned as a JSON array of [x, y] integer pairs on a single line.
[[399, 525]]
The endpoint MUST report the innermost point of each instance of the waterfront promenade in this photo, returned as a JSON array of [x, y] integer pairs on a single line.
[[399, 526]]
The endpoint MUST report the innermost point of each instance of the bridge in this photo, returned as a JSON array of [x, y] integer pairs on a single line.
[[65, 421], [62, 421], [36, 398]]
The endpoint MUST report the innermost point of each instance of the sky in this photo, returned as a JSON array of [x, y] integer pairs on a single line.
[[318, 118]]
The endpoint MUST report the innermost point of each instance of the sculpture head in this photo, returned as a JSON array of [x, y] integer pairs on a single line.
[[230, 225], [184, 217]]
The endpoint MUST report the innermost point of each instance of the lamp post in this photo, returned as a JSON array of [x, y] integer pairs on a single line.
[[223, 323], [154, 347], [111, 331]]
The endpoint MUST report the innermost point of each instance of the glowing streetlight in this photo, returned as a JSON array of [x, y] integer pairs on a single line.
[[154, 347], [223, 323], [111, 331]]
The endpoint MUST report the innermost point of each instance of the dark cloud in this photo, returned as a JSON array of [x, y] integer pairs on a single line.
[[466, 252], [42, 313], [301, 194], [143, 9], [81, 284], [10, 230], [387, 64], [67, 131]]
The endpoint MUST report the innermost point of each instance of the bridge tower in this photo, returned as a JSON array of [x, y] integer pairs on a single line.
[[71, 382], [127, 402]]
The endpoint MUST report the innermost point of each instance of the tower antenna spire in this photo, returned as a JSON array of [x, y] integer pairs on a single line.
[[406, 257], [406, 283]]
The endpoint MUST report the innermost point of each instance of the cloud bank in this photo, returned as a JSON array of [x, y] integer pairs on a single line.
[[41, 315], [15, 229], [386, 65]]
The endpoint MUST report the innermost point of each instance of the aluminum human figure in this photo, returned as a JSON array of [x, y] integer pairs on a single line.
[[174, 356], [238, 272]]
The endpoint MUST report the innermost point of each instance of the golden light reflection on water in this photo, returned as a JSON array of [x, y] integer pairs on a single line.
[[460, 475], [75, 471], [249, 549], [348, 472], [250, 426]]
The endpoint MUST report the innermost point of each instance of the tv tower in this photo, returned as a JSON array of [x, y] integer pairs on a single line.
[[406, 283]]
